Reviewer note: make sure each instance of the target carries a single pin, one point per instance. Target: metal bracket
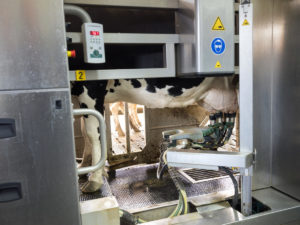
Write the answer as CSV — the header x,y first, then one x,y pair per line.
x,y
191,158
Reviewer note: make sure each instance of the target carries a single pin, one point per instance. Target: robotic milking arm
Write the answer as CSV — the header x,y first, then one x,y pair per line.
x,y
192,148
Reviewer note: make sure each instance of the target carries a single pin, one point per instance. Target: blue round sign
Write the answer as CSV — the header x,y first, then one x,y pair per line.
x,y
218,46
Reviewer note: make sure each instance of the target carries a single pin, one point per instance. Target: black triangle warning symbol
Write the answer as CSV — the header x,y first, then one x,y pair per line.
x,y
218,25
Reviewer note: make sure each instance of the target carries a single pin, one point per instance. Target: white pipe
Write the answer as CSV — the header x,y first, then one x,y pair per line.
x,y
79,12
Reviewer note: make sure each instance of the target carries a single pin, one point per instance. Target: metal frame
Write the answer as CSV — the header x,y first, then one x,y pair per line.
x,y
163,4
99,117
168,40
246,102
245,158
167,4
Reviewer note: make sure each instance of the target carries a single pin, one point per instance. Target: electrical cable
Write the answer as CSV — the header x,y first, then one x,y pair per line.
x,y
128,218
181,208
235,184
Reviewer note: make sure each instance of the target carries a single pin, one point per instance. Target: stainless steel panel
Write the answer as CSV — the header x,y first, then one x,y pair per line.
x,y
195,20
284,210
246,102
32,44
214,217
286,97
41,158
262,75
281,217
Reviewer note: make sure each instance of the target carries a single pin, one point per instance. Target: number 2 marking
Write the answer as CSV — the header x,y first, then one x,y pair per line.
x,y
80,75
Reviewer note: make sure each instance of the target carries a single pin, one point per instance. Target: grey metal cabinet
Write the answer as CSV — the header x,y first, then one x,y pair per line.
x,y
38,182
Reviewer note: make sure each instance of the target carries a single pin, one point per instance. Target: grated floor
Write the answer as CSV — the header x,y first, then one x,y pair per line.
x,y
137,187
199,175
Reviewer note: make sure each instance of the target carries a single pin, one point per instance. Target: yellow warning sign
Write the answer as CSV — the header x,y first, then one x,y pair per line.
x,y
218,25
218,65
246,23
80,75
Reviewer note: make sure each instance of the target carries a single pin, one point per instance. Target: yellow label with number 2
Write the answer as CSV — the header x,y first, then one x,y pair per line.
x,y
80,75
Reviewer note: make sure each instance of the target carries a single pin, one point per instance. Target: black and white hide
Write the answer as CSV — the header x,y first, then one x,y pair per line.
x,y
215,94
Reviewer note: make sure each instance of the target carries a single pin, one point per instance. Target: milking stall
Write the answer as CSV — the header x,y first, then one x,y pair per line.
x,y
123,112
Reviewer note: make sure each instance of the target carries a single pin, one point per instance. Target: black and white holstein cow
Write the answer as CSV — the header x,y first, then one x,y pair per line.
x,y
215,94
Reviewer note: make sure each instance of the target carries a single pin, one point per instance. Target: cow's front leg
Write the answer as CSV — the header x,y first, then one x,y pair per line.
x,y
87,152
95,179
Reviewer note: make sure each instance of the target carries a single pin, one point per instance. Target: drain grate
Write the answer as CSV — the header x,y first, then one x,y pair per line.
x,y
199,175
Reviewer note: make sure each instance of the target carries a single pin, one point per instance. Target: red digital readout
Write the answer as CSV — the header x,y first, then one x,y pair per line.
x,y
95,33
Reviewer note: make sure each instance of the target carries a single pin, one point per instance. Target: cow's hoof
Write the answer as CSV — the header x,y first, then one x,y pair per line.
x,y
91,186
112,174
137,130
121,134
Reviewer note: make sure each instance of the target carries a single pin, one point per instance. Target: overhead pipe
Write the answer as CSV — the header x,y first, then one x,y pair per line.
x,y
79,12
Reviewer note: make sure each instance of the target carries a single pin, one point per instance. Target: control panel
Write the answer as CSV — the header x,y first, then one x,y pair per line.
x,y
93,43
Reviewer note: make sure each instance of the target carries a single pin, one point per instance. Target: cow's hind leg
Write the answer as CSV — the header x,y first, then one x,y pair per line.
x,y
134,113
133,117
115,113
95,180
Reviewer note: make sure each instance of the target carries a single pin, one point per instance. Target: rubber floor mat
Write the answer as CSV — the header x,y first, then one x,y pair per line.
x,y
137,187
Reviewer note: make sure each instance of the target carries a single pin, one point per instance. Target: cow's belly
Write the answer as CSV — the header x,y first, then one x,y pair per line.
x,y
214,94
160,99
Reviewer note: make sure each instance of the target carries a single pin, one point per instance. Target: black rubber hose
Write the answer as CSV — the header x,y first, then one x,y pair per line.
x,y
161,172
235,184
127,218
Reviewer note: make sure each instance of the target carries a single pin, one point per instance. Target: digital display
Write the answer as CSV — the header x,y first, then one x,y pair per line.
x,y
95,33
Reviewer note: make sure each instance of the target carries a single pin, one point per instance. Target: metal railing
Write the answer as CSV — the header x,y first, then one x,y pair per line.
x,y
103,144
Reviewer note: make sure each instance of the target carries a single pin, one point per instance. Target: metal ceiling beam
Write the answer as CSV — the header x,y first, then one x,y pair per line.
x,y
167,4
164,4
